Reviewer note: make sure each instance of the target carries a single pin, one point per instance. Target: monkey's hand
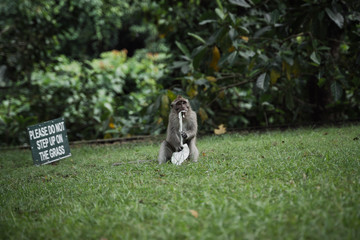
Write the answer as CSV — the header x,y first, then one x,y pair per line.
x,y
184,135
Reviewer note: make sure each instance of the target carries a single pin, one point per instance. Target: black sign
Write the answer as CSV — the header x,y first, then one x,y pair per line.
x,y
48,141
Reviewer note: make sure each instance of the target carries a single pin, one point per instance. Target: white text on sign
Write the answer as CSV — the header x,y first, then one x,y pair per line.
x,y
46,131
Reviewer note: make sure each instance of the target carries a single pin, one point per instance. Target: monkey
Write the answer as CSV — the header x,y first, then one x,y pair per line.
x,y
172,142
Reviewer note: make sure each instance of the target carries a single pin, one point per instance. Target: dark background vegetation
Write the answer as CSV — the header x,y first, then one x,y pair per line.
x,y
111,67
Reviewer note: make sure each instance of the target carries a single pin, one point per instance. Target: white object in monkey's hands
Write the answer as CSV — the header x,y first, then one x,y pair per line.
x,y
179,157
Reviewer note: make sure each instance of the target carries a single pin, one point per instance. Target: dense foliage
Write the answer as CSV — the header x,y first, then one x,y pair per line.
x,y
103,97
54,63
241,62
276,62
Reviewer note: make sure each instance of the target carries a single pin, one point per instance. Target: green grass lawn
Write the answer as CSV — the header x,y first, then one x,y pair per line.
x,y
295,184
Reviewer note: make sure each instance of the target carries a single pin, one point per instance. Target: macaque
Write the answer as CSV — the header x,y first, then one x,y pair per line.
x,y
172,142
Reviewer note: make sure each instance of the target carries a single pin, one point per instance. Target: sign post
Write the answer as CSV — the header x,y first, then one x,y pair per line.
x,y
49,141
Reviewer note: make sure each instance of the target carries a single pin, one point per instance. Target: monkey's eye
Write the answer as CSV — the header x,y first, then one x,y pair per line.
x,y
181,103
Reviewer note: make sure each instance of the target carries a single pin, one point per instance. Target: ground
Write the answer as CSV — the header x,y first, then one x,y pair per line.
x,y
294,184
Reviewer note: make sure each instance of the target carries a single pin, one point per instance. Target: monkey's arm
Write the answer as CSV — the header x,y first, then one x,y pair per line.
x,y
191,128
173,136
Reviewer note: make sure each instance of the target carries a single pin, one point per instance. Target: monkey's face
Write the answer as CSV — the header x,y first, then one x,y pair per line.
x,y
181,105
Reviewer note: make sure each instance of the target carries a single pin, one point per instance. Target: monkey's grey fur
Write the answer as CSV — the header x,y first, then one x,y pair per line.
x,y
172,142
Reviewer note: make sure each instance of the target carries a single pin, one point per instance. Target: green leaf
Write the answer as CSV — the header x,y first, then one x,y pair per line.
x,y
108,107
288,60
344,47
241,3
198,55
233,18
202,81
183,48
179,64
261,82
336,17
247,54
261,31
321,82
216,36
207,21
223,59
197,37
233,34
220,4
336,90
254,72
315,58
220,13
186,58
244,30
185,69
232,57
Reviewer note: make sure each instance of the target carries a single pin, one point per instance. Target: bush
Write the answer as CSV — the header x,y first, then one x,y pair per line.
x,y
264,63
99,98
